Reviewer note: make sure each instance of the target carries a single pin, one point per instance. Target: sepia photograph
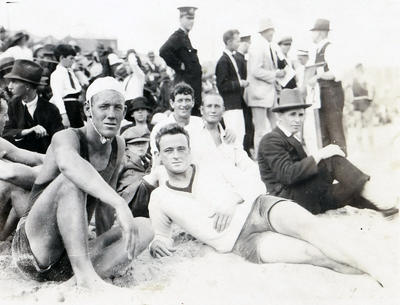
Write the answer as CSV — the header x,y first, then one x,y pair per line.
x,y
187,152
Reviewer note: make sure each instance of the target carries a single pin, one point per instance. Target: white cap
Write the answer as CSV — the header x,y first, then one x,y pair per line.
x,y
103,83
114,59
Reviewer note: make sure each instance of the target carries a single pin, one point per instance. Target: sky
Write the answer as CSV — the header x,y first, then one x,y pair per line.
x,y
364,30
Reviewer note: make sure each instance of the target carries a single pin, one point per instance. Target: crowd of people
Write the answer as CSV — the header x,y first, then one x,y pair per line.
x,y
141,145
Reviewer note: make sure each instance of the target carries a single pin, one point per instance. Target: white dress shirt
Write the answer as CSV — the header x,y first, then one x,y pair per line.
x,y
133,84
31,106
230,55
61,86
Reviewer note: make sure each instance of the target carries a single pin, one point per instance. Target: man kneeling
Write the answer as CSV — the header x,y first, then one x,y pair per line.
x,y
243,220
78,176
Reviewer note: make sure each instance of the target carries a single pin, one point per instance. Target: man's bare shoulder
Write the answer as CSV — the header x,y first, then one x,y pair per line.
x,y
65,138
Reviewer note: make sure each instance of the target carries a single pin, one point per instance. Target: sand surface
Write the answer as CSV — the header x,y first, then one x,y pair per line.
x,y
198,275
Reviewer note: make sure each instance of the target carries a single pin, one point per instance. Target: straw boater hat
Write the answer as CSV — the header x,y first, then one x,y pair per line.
x,y
6,63
321,25
265,24
290,99
27,71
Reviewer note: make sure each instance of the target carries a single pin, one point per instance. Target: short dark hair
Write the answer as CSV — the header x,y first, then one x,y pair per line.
x,y
228,35
171,129
182,88
64,50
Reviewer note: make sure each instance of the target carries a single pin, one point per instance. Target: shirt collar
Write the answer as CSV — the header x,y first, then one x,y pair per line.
x,y
322,43
229,53
31,103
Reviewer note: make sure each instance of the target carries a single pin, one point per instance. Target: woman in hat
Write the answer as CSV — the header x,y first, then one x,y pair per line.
x,y
138,113
18,47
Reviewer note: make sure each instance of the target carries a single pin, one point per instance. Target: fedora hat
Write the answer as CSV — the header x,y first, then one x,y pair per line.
x,y
265,24
27,71
290,99
321,25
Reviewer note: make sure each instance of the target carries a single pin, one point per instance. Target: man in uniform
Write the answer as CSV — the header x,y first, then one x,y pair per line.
x,y
179,54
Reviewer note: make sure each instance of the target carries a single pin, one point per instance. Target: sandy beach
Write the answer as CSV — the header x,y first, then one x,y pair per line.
x,y
197,275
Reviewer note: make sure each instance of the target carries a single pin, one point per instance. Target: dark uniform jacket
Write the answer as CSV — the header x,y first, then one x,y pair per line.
x,y
242,64
46,115
228,83
177,50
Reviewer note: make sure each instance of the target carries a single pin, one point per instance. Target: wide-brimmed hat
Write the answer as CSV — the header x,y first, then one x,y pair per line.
x,y
6,63
265,24
17,37
135,134
27,71
321,25
290,99
135,104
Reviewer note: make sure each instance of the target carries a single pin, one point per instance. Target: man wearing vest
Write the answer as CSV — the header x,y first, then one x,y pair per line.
x,y
332,95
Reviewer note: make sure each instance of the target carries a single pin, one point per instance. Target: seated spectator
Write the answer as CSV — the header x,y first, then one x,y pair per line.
x,y
18,170
242,220
289,172
32,120
6,65
137,163
138,114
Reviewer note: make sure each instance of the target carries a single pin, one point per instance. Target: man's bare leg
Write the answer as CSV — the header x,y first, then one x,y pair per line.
x,y
332,239
278,248
109,248
58,221
13,204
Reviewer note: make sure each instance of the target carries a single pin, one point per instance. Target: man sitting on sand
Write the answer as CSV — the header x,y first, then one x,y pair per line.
x,y
289,171
18,171
242,220
79,171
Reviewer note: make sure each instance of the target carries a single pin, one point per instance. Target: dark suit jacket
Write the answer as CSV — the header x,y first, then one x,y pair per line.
x,y
242,64
288,172
228,84
46,115
177,50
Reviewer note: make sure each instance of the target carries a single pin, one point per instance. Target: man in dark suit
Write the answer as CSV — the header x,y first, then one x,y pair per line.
x,y
179,54
32,120
288,171
231,86
243,49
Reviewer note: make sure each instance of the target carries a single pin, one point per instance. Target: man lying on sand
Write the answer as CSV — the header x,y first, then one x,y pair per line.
x,y
242,220
18,171
79,171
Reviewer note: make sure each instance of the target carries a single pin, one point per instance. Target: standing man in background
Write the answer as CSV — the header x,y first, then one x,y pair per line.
x,y
179,54
66,87
262,75
231,86
332,95
240,57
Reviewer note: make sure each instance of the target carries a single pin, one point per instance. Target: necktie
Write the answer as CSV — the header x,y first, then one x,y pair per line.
x,y
71,80
272,56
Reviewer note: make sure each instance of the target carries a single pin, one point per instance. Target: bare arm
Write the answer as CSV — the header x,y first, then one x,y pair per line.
x,y
15,154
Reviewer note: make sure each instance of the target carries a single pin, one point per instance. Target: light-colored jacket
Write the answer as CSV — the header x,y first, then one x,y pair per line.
x,y
261,74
